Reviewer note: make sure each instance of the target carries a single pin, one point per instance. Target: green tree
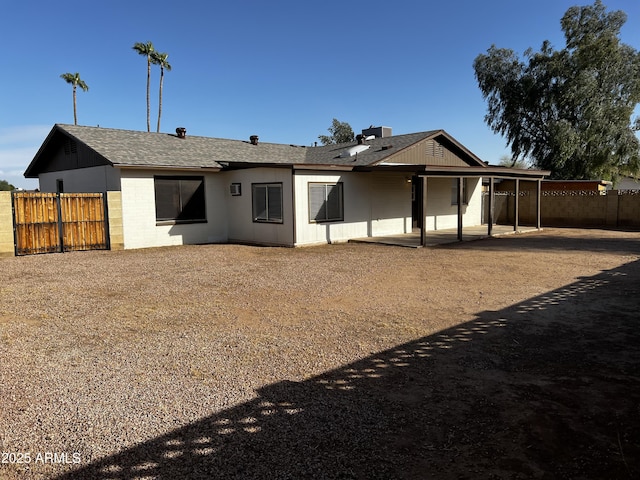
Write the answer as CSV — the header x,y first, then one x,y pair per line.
x,y
507,161
147,50
160,59
6,186
569,110
75,80
340,132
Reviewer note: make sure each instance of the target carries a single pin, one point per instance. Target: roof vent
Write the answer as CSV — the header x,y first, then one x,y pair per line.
x,y
181,132
354,151
254,139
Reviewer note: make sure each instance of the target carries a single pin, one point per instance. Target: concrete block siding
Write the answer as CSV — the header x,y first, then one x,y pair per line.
x,y
7,247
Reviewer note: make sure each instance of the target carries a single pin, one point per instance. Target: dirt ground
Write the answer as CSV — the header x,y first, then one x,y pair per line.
x,y
507,358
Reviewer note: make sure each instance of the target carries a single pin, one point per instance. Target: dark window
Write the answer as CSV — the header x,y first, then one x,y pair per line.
x,y
325,202
454,191
180,199
267,202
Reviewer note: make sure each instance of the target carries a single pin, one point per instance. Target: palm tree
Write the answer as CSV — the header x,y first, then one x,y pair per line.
x,y
161,59
75,80
147,50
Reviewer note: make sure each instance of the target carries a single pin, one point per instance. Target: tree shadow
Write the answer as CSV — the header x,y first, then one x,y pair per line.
x,y
547,388
598,240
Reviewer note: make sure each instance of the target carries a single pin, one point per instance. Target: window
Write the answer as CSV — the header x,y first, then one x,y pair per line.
x,y
325,202
179,199
454,192
267,202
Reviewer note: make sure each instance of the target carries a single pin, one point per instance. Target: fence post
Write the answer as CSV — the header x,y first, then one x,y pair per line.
x,y
7,242
114,209
60,224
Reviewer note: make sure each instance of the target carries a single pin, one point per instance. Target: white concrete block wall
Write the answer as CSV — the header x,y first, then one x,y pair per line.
x,y
374,204
242,228
442,214
390,204
139,216
356,202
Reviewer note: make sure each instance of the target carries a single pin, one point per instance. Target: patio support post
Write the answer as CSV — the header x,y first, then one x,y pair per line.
x,y
491,203
538,204
517,205
423,212
460,191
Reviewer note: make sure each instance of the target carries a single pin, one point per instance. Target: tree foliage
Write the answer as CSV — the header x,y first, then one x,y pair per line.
x,y
6,186
507,161
569,110
339,132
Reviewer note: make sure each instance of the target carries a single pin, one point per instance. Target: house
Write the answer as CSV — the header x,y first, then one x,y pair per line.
x,y
182,189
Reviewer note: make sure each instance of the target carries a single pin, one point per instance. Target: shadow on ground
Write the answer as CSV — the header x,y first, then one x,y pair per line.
x,y
559,239
548,388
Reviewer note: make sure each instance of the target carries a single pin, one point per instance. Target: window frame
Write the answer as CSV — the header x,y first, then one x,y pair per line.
x,y
454,191
184,197
269,218
327,193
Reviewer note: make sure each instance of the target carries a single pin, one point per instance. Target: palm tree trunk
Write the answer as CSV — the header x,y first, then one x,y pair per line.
x,y
75,112
148,99
160,97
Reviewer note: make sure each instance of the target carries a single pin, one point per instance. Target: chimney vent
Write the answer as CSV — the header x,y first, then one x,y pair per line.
x,y
254,139
181,132
360,139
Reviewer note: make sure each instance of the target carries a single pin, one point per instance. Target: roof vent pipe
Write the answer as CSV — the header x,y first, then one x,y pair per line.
x,y
181,132
254,139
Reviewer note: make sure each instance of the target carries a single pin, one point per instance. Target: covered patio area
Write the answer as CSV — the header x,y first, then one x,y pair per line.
x,y
441,237
425,234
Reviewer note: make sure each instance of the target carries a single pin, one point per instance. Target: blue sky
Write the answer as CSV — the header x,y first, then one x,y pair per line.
x,y
281,69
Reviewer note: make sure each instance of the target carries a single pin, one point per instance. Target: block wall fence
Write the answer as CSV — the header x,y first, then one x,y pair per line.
x,y
615,209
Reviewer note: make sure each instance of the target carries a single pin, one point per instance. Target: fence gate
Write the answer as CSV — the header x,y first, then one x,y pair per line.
x,y
51,222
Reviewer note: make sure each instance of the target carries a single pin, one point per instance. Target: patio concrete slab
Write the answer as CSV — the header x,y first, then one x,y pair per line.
x,y
445,236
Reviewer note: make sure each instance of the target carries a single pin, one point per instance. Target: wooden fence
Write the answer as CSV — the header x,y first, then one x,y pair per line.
x,y
50,222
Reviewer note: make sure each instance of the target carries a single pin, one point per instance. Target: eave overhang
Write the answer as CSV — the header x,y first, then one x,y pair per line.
x,y
167,167
439,171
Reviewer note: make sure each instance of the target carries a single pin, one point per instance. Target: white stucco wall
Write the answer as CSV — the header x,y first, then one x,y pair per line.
x,y
374,204
241,227
139,215
442,214
83,180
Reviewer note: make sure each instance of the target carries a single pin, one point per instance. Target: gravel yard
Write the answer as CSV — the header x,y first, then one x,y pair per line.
x,y
511,357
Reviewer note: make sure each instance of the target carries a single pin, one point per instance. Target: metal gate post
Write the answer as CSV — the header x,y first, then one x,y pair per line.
x,y
13,218
60,224
107,236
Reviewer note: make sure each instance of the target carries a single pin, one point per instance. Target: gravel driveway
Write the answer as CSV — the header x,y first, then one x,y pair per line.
x,y
512,357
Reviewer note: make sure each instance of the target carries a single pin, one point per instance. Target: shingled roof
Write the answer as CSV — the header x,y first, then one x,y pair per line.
x,y
127,148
